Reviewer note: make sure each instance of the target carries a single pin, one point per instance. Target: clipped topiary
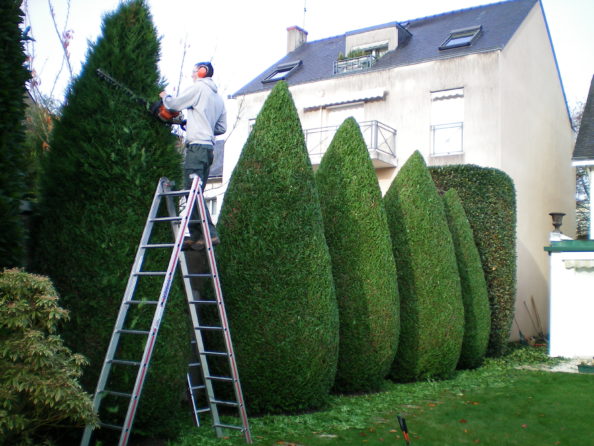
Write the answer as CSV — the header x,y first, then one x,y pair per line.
x,y
362,262
39,388
275,268
475,297
13,76
431,311
106,157
489,200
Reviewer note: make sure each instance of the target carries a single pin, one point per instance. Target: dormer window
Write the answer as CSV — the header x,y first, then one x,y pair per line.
x,y
283,71
461,37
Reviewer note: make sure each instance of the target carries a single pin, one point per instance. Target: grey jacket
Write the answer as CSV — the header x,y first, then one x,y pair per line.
x,y
206,114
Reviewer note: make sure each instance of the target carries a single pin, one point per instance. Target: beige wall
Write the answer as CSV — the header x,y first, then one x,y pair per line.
x,y
515,119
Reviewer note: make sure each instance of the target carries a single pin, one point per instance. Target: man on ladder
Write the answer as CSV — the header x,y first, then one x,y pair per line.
x,y
206,118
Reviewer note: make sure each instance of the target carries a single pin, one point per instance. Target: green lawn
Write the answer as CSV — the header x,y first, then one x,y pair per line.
x,y
494,405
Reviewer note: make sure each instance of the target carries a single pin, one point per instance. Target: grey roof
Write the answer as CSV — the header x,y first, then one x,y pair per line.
x,y
584,145
499,22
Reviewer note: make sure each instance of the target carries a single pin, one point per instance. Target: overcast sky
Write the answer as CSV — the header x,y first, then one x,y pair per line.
x,y
243,38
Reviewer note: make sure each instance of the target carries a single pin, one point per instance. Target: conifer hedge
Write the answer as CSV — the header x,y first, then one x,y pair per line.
x,y
489,201
475,297
362,262
13,75
106,157
275,267
431,311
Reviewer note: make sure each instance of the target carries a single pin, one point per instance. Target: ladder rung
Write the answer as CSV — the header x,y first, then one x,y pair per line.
x,y
203,302
157,219
194,364
174,193
158,245
200,387
124,362
150,273
138,332
209,353
208,327
139,302
205,409
189,276
229,426
111,426
225,403
219,378
122,394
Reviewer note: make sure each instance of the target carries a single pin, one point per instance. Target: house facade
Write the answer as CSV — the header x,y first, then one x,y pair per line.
x,y
476,86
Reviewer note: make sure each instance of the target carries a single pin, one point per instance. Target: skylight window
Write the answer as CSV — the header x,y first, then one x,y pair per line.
x,y
461,37
281,72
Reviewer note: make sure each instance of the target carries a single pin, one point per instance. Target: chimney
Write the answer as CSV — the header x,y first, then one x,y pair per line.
x,y
295,38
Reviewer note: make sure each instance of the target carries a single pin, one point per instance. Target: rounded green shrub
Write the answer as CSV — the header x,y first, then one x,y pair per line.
x,y
431,311
475,297
489,200
275,267
362,262
39,388
106,157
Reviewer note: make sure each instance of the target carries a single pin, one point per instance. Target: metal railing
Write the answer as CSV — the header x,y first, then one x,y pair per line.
x,y
354,64
379,138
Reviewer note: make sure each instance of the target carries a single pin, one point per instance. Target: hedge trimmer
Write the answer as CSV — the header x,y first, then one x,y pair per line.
x,y
156,109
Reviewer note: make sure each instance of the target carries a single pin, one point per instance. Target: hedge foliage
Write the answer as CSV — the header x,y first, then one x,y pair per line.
x,y
275,267
13,76
39,385
431,311
475,297
489,201
106,157
362,262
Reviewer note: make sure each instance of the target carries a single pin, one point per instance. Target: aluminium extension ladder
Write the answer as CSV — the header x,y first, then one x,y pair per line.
x,y
179,224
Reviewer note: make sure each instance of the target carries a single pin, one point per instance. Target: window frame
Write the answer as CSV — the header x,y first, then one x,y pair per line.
x,y
282,72
468,34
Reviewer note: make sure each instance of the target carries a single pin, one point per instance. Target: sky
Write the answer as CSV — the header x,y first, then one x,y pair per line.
x,y
243,38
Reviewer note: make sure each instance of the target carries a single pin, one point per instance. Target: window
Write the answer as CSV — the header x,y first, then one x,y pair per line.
x,y
447,122
461,37
282,72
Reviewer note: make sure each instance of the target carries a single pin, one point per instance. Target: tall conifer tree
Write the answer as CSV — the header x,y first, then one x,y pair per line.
x,y
362,261
431,311
275,267
106,157
13,75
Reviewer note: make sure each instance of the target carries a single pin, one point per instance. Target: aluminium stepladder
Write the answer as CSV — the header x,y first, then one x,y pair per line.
x,y
179,223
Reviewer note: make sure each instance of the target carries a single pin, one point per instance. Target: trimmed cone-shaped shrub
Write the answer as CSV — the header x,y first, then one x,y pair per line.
x,y
431,311
13,76
475,297
107,155
489,200
362,262
275,267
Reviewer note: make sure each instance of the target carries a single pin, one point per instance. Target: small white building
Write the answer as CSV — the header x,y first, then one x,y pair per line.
x,y
476,86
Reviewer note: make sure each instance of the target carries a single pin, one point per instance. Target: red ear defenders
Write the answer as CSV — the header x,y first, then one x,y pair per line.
x,y
202,71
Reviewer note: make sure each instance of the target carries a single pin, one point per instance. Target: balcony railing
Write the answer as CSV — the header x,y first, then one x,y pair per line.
x,y
379,138
354,64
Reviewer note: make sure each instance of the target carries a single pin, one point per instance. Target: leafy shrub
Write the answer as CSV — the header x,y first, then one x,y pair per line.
x,y
431,311
489,201
13,76
39,385
106,157
475,297
275,267
362,261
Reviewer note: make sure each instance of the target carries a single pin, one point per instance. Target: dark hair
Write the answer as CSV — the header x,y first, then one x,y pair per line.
x,y
208,66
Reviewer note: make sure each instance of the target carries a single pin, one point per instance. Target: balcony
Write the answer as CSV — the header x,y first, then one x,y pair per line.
x,y
354,64
379,138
